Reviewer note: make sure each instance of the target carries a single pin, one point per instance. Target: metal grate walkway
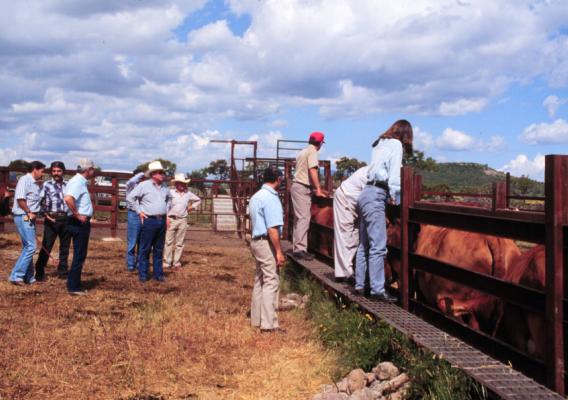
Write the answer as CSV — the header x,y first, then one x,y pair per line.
x,y
499,379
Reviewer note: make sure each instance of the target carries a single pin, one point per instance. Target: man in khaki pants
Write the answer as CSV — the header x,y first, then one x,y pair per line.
x,y
306,179
182,202
267,219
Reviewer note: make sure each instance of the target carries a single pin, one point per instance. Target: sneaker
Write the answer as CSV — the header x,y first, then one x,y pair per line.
x,y
303,255
384,297
17,283
359,292
78,293
33,280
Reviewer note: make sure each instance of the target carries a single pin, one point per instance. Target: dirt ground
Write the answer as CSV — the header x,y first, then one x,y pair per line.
x,y
187,338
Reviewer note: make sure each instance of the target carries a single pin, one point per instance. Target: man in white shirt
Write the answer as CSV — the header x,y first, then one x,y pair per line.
x,y
182,202
345,222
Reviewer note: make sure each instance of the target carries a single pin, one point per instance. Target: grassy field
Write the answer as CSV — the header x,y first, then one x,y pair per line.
x,y
188,338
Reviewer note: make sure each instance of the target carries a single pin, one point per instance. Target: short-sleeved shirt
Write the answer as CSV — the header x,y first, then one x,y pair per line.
x,y
27,189
307,159
78,189
265,211
52,195
150,198
180,201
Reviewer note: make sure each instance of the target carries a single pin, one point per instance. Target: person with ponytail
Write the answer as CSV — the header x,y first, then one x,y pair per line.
x,y
383,186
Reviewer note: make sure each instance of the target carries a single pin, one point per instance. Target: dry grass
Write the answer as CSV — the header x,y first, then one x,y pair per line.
x,y
186,339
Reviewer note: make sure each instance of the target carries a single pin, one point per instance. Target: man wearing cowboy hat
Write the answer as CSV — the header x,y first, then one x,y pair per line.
x,y
151,200
182,202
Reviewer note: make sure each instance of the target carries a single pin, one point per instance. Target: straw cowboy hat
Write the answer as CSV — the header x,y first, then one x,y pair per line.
x,y
153,167
181,178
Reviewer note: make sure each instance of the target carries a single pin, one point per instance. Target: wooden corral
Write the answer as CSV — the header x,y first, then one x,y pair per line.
x,y
547,227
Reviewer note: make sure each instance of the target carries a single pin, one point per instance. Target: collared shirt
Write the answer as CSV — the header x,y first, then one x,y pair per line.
x,y
307,159
78,189
354,185
27,189
265,211
150,198
385,165
180,201
52,197
129,187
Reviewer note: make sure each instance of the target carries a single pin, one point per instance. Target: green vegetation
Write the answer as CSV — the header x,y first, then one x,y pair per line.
x,y
362,342
345,166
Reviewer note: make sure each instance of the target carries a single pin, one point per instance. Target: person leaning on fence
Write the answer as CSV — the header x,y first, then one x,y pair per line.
x,y
383,183
182,202
346,222
25,209
78,201
151,200
267,218
133,224
306,179
55,222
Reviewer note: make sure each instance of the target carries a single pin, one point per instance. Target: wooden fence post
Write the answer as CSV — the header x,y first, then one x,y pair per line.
x,y
508,189
417,187
556,192
114,203
406,201
499,196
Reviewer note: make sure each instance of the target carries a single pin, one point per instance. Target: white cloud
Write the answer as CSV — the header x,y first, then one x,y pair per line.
x,y
545,133
455,140
522,165
422,139
552,103
462,106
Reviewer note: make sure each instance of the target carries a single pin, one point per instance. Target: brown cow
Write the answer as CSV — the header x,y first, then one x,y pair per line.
x,y
522,328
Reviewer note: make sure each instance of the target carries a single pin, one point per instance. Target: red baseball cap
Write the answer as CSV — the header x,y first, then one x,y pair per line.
x,y
317,137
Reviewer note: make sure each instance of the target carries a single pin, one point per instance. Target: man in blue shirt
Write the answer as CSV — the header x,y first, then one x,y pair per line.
x,y
266,219
25,210
133,223
151,200
55,222
78,201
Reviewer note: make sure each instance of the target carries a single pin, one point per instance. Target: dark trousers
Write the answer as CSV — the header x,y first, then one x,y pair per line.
x,y
51,231
80,234
152,238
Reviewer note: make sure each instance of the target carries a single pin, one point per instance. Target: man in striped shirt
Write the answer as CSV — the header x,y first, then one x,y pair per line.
x,y
55,223
25,210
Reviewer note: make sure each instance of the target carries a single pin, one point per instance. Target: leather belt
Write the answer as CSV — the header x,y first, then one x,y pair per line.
x,y
158,217
175,217
380,184
261,237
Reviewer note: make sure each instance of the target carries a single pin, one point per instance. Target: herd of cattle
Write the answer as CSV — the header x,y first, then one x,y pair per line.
x,y
490,255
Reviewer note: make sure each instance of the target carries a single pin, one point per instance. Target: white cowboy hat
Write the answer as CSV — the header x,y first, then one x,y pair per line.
x,y
181,178
153,167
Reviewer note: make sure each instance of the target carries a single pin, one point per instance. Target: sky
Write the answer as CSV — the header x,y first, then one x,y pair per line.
x,y
125,82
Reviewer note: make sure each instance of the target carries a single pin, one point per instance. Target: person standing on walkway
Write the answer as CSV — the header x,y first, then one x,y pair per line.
x,y
78,201
346,222
25,210
133,224
151,200
55,222
383,183
182,202
306,180
267,218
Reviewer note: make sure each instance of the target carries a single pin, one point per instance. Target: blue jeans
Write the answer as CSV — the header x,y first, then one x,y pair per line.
x,y
132,239
23,269
372,248
80,234
152,238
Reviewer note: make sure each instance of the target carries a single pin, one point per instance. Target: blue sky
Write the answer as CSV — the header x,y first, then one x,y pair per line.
x,y
126,82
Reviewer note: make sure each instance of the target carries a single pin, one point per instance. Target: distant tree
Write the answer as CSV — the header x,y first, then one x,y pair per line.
x,y
19,164
219,168
419,161
525,186
169,166
198,174
345,166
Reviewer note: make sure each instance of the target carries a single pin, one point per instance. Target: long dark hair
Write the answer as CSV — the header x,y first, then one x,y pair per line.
x,y
400,130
